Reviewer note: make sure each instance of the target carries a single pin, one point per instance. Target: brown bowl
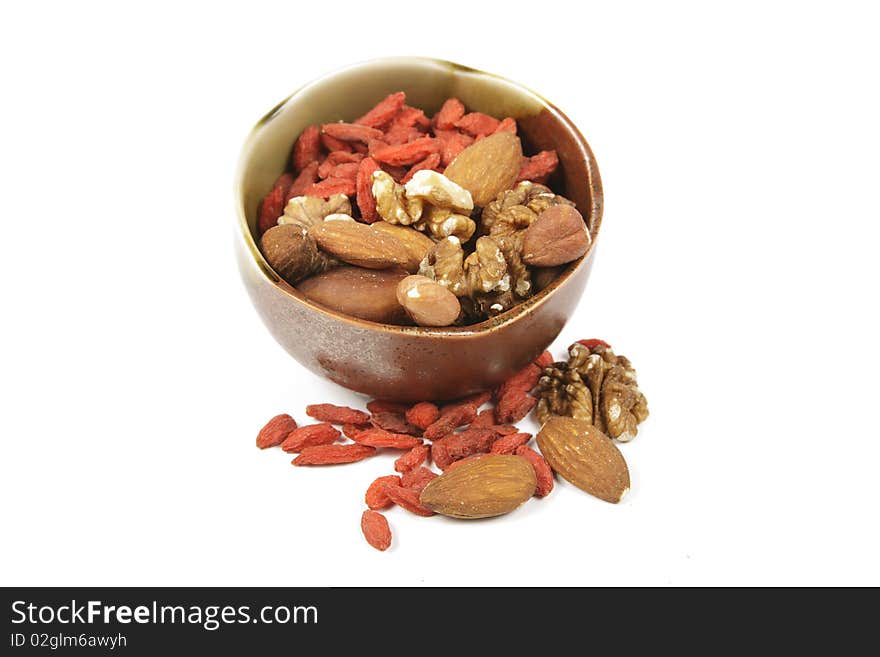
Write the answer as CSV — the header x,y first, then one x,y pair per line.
x,y
399,362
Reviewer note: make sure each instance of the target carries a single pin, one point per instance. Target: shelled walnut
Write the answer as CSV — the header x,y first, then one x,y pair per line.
x,y
595,385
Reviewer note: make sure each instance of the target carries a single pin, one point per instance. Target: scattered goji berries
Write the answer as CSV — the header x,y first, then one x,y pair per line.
x,y
508,444
337,414
309,436
376,530
333,454
275,431
375,497
412,459
380,438
423,414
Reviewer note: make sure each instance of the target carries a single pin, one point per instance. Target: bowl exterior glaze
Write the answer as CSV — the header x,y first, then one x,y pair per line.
x,y
411,363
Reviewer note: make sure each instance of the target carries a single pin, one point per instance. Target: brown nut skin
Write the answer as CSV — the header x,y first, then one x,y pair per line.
x,y
358,244
427,302
559,235
290,252
416,243
487,167
363,293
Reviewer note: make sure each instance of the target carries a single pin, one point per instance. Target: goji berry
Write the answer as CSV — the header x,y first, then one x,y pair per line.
x,y
456,446
412,459
395,423
275,431
386,406
351,132
337,414
478,124
333,454
538,167
411,117
451,111
376,530
375,497
332,162
309,436
418,478
431,162
504,429
330,186
507,125
344,171
514,406
306,149
449,420
509,444
351,430
334,145
423,414
484,419
407,154
366,202
380,438
452,143
455,464
306,177
395,172
408,499
271,208
592,343
385,110
543,472
401,134
544,360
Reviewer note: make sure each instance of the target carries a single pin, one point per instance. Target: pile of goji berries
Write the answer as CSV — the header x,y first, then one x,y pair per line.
x,y
340,158
456,431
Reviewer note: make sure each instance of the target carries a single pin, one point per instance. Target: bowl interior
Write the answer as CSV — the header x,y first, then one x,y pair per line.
x,y
348,93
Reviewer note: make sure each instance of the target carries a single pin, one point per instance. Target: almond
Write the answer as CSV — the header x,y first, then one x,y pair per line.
x,y
364,293
559,235
358,244
427,302
585,457
417,244
491,485
487,167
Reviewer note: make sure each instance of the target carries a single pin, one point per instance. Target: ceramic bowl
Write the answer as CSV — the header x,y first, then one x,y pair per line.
x,y
401,362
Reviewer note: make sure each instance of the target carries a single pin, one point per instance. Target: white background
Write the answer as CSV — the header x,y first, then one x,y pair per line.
x,y
736,267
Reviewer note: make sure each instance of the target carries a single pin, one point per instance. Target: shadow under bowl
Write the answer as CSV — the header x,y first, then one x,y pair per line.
x,y
401,362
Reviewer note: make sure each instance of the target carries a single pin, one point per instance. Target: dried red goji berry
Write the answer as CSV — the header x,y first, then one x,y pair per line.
x,y
375,144
538,167
452,143
385,110
309,436
386,406
333,454
332,161
375,497
358,147
418,478
306,177
423,414
592,343
456,446
275,431
364,184
344,171
408,499
380,438
351,430
478,124
509,444
431,162
334,145
514,406
504,429
450,419
376,530
395,172
411,117
451,111
401,134
330,186
271,208
543,472
484,419
407,154
507,125
522,381
544,360
395,423
351,132
337,414
412,459
307,148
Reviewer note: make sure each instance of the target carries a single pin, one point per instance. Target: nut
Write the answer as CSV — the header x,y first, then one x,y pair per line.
x,y
293,254
307,211
417,244
427,302
556,237
364,293
585,457
491,485
443,222
358,244
391,201
439,191
487,167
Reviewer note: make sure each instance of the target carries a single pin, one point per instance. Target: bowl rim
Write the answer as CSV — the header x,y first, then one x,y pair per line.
x,y
520,310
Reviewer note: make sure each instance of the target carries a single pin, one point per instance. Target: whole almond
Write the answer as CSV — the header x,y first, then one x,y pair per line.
x,y
290,252
491,485
364,293
427,302
585,457
358,244
557,236
417,243
487,167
